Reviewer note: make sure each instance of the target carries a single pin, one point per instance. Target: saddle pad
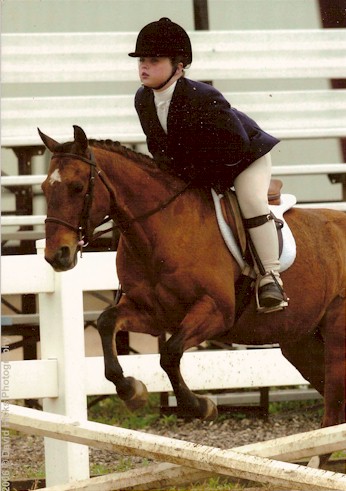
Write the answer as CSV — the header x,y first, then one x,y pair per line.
x,y
288,254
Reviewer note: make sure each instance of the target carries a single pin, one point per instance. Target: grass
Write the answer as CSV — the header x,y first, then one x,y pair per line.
x,y
113,411
124,464
288,406
214,483
34,473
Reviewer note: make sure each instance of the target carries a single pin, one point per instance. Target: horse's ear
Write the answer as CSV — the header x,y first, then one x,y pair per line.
x,y
51,144
80,137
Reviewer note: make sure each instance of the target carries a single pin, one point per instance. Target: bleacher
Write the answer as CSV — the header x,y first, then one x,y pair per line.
x,y
68,58
94,58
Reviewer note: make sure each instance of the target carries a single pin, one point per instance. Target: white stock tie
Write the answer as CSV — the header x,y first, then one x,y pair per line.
x,y
162,113
162,102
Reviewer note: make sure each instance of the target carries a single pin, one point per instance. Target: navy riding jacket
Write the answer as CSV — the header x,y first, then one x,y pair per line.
x,y
207,140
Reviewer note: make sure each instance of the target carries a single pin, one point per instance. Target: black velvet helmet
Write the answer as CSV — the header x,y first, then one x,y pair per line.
x,y
163,38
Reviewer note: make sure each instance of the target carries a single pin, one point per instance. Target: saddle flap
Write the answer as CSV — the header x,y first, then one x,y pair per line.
x,y
232,215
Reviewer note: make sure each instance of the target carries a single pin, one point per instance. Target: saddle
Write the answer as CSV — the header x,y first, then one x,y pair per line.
x,y
233,217
234,232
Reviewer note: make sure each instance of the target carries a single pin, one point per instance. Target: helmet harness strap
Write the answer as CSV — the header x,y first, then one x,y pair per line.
x,y
169,78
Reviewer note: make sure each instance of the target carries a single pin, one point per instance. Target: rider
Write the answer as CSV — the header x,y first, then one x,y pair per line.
x,y
194,133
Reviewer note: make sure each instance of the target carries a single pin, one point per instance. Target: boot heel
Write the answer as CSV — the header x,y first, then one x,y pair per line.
x,y
271,296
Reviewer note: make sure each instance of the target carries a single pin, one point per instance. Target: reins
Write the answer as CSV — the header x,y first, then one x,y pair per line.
x,y
82,229
149,213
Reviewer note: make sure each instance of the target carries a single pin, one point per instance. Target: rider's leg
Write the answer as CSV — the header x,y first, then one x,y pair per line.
x,y
251,187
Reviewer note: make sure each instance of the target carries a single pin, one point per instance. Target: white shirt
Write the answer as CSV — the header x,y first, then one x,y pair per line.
x,y
162,101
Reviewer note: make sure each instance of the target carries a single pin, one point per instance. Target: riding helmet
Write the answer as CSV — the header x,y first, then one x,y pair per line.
x,y
163,38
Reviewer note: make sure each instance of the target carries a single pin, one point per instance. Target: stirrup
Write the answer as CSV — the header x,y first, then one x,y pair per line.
x,y
267,310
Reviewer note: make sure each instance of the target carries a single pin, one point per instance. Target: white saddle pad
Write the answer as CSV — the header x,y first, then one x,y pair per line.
x,y
288,254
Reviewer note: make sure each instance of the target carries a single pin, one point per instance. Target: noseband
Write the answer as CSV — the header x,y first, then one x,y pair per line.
x,y
83,228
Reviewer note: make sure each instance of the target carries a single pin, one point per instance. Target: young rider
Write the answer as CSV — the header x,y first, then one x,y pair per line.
x,y
194,133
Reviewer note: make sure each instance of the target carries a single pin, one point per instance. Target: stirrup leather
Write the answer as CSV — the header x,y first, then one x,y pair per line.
x,y
267,310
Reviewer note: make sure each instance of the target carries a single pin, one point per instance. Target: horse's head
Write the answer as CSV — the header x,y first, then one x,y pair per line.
x,y
76,204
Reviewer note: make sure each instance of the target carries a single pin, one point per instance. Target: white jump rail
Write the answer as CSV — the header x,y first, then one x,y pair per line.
x,y
249,462
64,377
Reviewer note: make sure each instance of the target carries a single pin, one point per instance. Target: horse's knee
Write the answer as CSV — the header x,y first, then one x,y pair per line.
x,y
133,392
169,360
106,321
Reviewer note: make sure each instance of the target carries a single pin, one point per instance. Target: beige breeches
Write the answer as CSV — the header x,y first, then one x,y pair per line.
x,y
251,187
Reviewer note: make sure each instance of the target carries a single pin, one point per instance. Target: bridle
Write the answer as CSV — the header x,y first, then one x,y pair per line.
x,y
83,228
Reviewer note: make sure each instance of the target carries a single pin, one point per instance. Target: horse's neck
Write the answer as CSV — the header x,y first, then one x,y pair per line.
x,y
151,206
137,188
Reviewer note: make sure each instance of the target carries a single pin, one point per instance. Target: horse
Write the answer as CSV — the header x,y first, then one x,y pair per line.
x,y
178,277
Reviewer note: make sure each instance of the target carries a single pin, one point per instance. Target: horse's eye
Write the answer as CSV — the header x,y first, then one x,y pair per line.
x,y
76,187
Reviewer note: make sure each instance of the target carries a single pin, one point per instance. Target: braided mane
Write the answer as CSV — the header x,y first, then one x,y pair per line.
x,y
144,161
117,147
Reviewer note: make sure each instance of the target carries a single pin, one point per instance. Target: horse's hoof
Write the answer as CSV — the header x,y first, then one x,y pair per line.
x,y
209,410
201,408
139,395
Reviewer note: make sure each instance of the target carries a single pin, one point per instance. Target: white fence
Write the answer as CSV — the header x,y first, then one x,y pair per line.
x,y
284,170
64,376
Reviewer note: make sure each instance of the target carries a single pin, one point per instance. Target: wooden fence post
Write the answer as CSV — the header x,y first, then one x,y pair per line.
x,y
62,338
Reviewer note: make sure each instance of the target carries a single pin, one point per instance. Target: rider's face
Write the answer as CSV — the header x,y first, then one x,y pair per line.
x,y
153,71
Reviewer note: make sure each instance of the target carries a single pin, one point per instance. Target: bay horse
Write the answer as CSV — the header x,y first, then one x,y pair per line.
x,y
179,277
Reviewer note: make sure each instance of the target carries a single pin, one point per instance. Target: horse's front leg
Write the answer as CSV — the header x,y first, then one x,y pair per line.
x,y
133,392
203,321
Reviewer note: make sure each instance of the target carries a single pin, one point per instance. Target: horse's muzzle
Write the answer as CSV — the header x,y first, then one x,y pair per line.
x,y
63,259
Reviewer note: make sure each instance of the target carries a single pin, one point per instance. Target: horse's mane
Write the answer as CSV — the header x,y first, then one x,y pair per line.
x,y
117,147
145,161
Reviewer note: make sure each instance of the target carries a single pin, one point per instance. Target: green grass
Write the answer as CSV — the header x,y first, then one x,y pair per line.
x,y
113,411
124,464
287,406
212,484
31,473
